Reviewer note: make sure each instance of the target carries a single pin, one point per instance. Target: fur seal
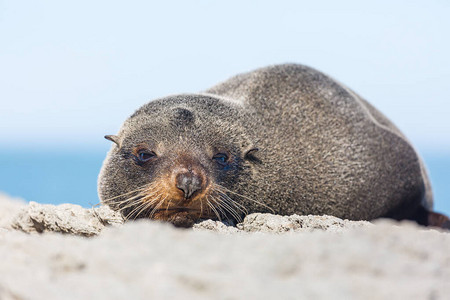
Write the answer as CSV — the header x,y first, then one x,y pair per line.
x,y
285,139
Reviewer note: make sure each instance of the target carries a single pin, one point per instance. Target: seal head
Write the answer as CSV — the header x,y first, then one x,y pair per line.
x,y
175,161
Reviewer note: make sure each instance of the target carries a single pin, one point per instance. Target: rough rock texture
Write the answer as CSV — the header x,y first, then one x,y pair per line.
x,y
70,218
151,260
64,218
280,224
9,207
145,260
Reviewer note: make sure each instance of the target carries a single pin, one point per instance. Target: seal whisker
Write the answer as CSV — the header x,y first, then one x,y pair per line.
x,y
201,207
149,197
140,197
219,207
225,190
156,207
134,210
124,194
235,213
227,208
121,206
236,204
234,209
168,204
150,205
127,200
142,206
213,209
131,202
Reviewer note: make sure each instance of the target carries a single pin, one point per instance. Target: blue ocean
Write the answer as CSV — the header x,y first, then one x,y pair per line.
x,y
69,176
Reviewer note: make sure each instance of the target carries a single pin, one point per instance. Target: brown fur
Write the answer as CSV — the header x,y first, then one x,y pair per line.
x,y
296,142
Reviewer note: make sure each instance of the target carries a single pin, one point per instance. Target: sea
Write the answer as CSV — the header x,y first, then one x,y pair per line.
x,y
55,177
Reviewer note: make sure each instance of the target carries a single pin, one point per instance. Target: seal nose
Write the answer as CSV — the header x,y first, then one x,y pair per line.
x,y
189,183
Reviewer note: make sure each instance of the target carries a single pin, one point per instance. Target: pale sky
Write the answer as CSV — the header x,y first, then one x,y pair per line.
x,y
71,72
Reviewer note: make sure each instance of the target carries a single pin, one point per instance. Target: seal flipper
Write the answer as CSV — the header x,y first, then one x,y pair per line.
x,y
431,218
438,220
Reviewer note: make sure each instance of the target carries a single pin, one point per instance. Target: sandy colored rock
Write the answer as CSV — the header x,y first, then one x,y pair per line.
x,y
9,207
295,223
270,223
64,218
74,219
150,260
216,226
264,257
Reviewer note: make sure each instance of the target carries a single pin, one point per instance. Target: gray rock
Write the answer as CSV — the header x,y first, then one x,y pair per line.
x,y
216,226
320,257
295,223
9,207
64,218
270,223
151,260
73,219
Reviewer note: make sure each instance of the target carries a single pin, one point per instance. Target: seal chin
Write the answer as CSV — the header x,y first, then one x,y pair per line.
x,y
180,216
182,219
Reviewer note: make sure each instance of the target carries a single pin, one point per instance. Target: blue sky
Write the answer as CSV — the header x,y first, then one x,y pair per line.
x,y
71,72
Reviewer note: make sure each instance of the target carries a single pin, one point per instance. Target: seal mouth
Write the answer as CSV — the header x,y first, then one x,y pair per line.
x,y
177,209
179,216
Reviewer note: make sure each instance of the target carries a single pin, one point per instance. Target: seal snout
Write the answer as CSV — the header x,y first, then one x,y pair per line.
x,y
189,182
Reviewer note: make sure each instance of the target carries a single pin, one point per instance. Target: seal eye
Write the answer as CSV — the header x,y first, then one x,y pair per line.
x,y
221,158
145,155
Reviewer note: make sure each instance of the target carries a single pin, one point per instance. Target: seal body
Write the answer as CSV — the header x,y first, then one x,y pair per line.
x,y
284,139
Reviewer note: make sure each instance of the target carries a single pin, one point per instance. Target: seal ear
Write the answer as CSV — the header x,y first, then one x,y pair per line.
x,y
113,138
250,155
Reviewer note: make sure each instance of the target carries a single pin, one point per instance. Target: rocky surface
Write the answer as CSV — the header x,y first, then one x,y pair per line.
x,y
64,218
74,219
309,257
9,207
